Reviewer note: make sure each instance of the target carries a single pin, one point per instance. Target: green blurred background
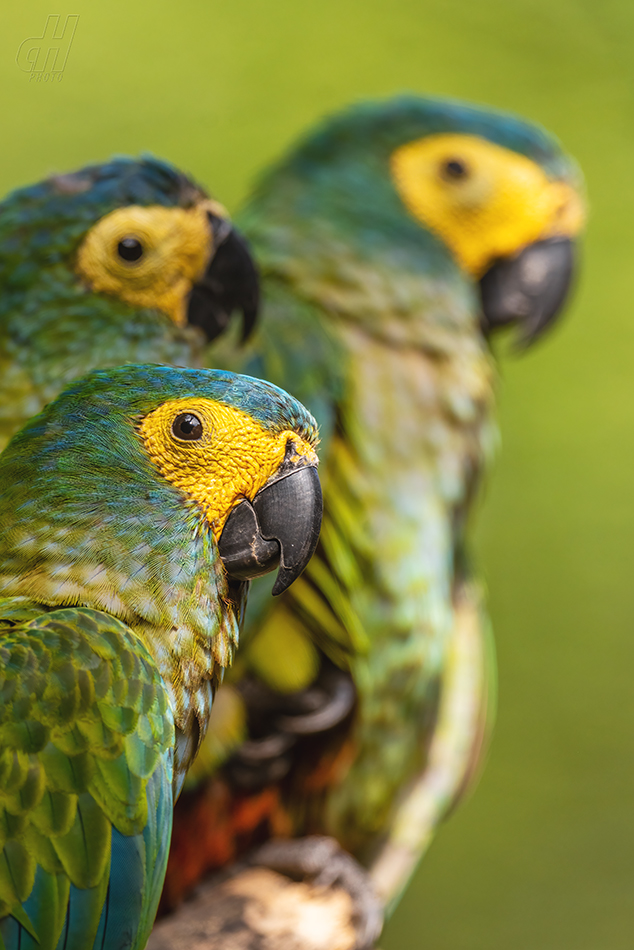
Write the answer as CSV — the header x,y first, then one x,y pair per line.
x,y
542,856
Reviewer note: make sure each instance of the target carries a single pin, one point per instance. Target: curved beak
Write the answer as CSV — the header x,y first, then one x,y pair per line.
x,y
231,282
529,289
279,527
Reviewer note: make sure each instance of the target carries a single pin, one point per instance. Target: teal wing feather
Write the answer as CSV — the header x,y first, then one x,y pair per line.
x,y
86,746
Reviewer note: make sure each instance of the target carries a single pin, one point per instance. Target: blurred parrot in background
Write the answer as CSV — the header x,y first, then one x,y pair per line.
x,y
119,505
393,241
128,261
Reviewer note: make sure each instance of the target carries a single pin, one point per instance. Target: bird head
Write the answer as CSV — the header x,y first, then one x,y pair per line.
x,y
137,231
425,184
144,490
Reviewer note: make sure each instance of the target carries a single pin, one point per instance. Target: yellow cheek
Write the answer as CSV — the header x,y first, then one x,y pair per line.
x,y
233,460
505,202
177,245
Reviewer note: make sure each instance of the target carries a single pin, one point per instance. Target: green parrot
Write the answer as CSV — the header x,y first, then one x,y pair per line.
x,y
393,240
124,262
130,520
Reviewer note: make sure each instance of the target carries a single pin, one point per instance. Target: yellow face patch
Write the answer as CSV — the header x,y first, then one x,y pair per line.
x,y
149,257
486,202
217,454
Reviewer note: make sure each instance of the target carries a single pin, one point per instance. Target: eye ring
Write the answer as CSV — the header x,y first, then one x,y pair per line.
x,y
454,169
187,427
130,249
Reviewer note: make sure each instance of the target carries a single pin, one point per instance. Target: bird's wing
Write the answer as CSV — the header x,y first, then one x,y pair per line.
x,y
465,716
86,745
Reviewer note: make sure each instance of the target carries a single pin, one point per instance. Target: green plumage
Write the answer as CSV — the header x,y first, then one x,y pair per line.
x,y
86,746
117,619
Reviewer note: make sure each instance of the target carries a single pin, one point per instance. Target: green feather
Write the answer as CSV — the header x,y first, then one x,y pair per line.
x,y
84,851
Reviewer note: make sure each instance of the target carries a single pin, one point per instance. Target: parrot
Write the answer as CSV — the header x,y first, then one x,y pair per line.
x,y
128,261
133,511
394,240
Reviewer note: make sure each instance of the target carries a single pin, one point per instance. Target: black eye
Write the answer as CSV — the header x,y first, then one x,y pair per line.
x,y
187,427
453,169
130,249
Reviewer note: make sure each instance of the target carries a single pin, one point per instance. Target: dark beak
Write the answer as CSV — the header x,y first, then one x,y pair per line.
x,y
279,527
529,289
231,282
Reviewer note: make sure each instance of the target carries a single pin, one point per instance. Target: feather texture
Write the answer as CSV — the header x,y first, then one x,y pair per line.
x,y
87,736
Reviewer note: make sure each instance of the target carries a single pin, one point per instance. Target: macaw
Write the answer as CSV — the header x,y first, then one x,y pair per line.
x,y
127,261
393,240
133,509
